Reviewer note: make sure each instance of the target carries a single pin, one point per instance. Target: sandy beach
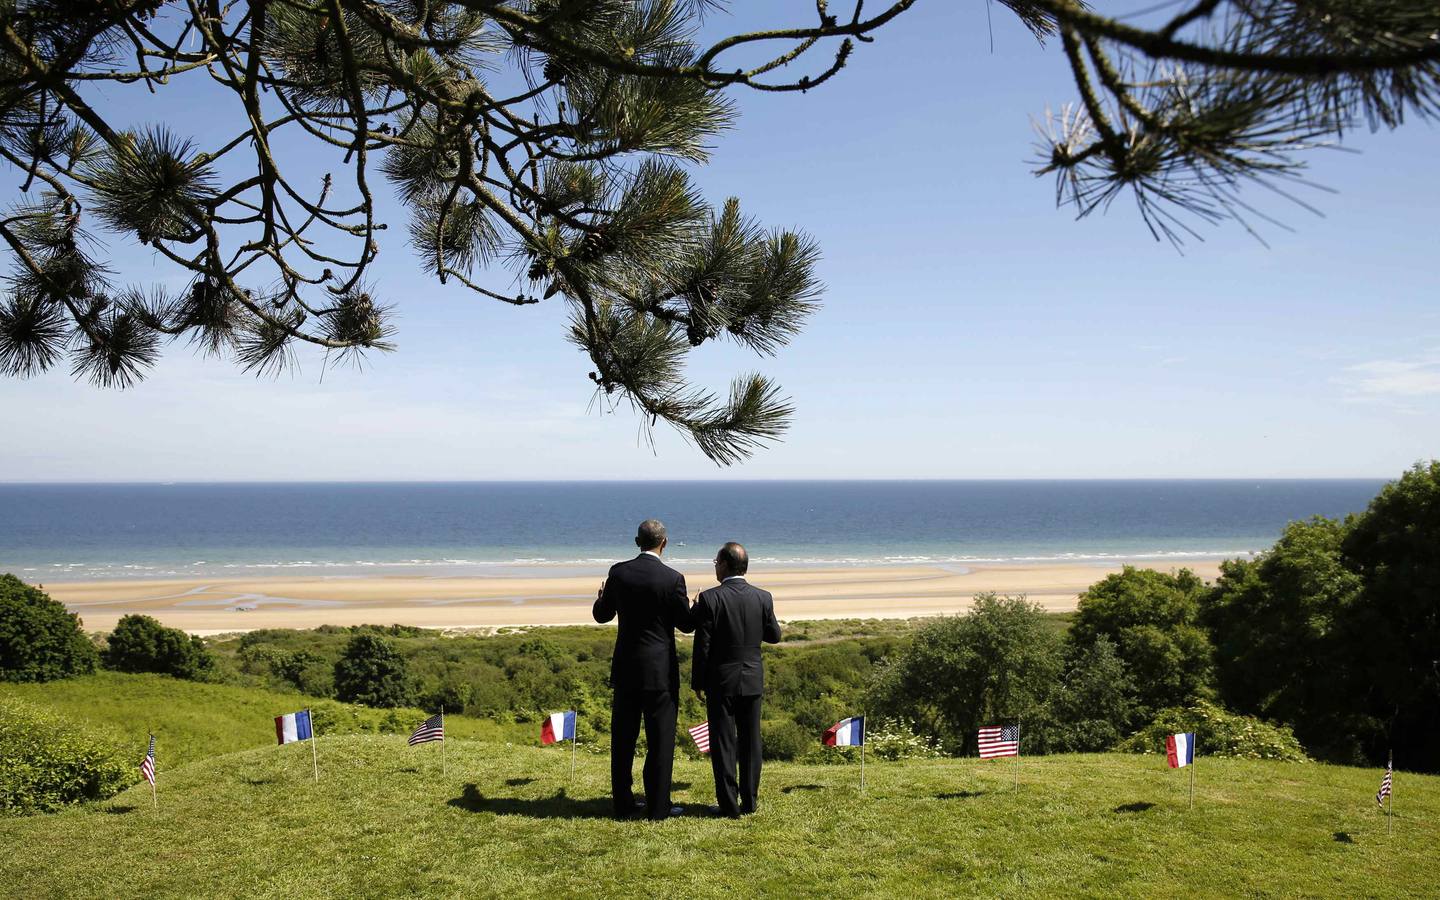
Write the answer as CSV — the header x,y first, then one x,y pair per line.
x,y
212,606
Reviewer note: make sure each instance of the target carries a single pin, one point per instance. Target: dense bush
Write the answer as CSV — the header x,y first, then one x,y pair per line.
x,y
996,664
372,673
893,739
1218,733
784,740
1091,707
39,639
142,644
47,763
1153,619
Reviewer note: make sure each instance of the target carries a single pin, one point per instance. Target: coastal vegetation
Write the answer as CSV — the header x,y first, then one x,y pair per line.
x,y
40,640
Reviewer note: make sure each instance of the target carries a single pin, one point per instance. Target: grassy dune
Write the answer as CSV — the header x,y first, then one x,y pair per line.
x,y
193,720
383,821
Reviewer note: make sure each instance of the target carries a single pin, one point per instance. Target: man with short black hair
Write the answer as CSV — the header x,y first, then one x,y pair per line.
x,y
649,599
729,676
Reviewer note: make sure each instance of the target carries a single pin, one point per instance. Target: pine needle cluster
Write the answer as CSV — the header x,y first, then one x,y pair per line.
x,y
551,142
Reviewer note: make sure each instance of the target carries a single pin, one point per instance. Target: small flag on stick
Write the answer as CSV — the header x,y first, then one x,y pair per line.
x,y
849,733
1385,792
1385,783
560,726
700,734
147,769
1180,752
297,726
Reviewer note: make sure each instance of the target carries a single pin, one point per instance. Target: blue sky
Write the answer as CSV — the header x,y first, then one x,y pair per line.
x,y
970,329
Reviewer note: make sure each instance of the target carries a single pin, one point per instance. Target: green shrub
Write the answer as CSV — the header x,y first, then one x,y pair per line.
x,y
39,639
47,763
783,739
898,740
371,672
142,644
1218,732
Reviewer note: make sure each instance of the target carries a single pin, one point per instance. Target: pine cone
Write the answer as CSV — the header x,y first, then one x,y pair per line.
x,y
538,269
594,245
555,70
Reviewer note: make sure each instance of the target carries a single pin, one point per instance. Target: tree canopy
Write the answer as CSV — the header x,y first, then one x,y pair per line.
x,y
549,139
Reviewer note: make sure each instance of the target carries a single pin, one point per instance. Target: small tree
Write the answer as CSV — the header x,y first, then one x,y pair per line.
x,y
39,639
993,666
1153,619
370,671
142,644
1092,708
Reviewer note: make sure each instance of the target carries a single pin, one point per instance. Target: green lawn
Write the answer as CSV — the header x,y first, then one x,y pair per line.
x,y
382,821
192,720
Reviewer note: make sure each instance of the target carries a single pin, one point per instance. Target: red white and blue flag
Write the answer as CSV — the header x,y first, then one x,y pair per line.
x,y
559,726
293,727
432,729
846,733
700,734
1180,749
999,740
1380,795
147,768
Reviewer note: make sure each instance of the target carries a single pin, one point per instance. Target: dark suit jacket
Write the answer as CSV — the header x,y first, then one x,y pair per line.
x,y
649,597
730,622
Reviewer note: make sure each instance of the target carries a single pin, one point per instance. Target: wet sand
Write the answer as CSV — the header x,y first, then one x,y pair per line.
x,y
212,606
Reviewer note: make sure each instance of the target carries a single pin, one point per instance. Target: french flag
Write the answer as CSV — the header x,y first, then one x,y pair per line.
x,y
559,727
293,726
1180,749
846,733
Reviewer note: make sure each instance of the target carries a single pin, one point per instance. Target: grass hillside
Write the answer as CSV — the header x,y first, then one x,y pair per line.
x,y
382,821
192,720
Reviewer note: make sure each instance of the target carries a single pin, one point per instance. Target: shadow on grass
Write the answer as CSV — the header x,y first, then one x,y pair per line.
x,y
256,782
959,795
408,770
1138,807
518,782
680,786
120,810
557,807
1343,837
801,787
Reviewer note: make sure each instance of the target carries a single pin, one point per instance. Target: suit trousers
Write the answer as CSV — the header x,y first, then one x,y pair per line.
x,y
735,738
658,710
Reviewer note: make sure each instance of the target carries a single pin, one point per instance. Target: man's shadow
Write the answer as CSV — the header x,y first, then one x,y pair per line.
x,y
557,807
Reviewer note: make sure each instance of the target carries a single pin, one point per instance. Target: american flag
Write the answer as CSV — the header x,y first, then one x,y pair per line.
x,y
147,768
999,740
432,729
701,735
1384,791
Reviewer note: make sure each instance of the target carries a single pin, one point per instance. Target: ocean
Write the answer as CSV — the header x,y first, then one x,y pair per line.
x,y
104,531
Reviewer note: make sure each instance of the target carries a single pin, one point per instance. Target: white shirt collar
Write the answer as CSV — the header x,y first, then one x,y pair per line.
x,y
732,578
651,553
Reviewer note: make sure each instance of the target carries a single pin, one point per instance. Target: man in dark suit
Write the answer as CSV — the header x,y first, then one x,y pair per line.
x,y
728,676
649,597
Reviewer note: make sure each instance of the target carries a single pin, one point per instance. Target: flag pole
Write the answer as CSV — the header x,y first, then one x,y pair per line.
x,y
154,776
1017,759
575,739
442,741
864,739
1390,806
1192,777
314,756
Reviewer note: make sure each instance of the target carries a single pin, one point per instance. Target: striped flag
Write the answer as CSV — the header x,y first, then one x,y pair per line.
x,y
999,740
147,768
1180,750
432,729
1384,784
558,726
293,727
700,734
846,733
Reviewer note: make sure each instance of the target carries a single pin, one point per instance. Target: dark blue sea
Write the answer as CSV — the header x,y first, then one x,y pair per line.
x,y
96,531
